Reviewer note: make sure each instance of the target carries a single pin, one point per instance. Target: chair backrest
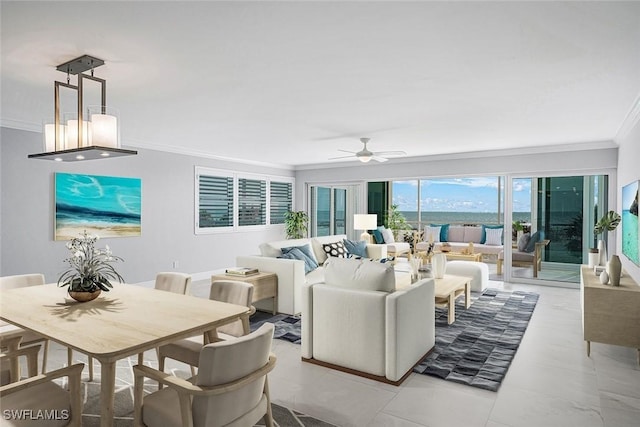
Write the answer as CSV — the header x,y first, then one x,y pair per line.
x,y
226,361
20,281
233,292
178,283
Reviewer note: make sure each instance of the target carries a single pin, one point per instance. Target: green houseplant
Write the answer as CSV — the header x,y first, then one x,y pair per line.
x,y
395,220
296,224
608,222
90,268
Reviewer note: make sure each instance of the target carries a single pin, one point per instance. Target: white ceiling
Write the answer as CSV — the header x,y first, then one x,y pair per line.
x,y
291,83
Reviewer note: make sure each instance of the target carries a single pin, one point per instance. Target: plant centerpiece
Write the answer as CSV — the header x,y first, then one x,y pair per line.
x,y
296,223
90,269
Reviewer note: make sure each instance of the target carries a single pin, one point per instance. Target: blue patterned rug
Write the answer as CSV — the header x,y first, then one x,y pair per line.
x,y
475,350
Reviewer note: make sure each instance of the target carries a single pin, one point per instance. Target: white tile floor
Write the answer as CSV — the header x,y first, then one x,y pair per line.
x,y
551,382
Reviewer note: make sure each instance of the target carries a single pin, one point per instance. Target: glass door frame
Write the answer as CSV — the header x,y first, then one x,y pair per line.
x,y
355,195
612,194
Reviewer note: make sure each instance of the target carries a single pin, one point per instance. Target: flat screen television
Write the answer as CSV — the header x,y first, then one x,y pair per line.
x,y
630,223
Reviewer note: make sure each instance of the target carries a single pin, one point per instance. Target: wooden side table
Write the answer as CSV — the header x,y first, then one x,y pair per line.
x,y
265,285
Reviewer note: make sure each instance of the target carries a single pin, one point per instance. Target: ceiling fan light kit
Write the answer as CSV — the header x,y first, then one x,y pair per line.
x,y
74,136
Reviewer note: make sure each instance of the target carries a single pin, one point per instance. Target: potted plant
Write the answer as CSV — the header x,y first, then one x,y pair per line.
x,y
518,228
296,224
396,221
608,222
90,269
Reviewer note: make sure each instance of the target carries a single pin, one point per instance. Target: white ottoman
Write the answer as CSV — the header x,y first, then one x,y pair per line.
x,y
479,271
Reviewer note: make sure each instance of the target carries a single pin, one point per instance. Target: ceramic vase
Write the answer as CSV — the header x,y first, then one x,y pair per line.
x,y
615,270
602,250
594,258
604,278
438,265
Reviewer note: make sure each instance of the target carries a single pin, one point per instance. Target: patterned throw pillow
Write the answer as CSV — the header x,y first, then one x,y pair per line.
x,y
493,236
336,249
387,235
523,242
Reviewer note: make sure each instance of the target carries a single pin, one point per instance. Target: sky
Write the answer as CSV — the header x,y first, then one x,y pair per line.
x,y
102,193
629,194
477,194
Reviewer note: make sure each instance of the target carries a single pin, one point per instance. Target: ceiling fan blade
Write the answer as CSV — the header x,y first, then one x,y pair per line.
x,y
342,157
347,151
379,159
390,153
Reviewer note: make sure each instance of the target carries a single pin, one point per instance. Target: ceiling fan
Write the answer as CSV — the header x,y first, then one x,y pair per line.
x,y
365,155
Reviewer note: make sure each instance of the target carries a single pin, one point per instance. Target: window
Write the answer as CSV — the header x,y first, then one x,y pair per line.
x,y
280,201
228,201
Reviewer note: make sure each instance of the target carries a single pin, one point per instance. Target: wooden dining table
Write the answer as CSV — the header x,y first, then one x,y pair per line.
x,y
126,321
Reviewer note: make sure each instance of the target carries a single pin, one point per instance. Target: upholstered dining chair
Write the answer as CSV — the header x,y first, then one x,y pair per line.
x,y
27,337
188,350
231,387
40,392
178,283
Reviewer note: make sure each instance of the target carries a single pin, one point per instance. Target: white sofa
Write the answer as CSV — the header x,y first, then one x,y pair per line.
x,y
355,321
459,237
291,273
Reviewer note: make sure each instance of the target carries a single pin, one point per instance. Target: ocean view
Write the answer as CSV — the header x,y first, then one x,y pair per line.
x,y
462,217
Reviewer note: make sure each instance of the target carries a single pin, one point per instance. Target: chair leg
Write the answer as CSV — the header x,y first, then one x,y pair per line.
x,y
160,368
193,371
268,417
45,355
69,356
90,368
499,266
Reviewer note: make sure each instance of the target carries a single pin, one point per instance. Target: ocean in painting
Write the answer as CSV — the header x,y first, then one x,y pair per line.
x,y
102,205
630,239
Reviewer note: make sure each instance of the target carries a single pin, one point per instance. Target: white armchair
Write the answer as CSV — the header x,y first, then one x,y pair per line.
x,y
355,322
230,389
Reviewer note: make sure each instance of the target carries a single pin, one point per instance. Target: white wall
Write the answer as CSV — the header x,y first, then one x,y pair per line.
x,y
27,213
628,171
555,160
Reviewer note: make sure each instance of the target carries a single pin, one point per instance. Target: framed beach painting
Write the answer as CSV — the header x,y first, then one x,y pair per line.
x,y
106,206
630,223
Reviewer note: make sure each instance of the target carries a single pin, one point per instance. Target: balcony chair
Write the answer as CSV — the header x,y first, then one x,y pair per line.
x,y
231,387
520,258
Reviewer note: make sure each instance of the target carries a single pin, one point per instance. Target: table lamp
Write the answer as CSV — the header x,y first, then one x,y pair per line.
x,y
365,222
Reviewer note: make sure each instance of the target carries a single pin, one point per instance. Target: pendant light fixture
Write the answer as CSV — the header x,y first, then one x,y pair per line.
x,y
90,132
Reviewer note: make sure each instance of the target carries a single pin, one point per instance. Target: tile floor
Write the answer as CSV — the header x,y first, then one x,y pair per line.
x,y
551,382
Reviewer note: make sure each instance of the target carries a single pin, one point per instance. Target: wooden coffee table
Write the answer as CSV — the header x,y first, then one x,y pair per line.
x,y
476,256
448,289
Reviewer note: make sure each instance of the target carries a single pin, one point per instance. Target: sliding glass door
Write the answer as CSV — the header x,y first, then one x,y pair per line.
x,y
557,215
332,209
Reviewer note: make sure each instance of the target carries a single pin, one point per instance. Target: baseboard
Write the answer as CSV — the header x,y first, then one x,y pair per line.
x,y
365,374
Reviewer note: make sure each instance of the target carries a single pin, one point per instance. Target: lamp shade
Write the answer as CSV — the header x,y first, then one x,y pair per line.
x,y
365,221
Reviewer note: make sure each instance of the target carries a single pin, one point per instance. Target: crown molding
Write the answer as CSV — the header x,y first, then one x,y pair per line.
x,y
630,121
20,125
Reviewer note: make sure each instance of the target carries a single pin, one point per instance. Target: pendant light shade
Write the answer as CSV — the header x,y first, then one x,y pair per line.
x,y
87,133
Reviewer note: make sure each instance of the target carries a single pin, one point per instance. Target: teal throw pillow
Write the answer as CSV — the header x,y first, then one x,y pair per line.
x,y
377,236
483,239
358,248
536,237
444,231
306,249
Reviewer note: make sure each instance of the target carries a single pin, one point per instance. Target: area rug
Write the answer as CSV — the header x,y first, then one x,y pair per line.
x,y
475,350
479,346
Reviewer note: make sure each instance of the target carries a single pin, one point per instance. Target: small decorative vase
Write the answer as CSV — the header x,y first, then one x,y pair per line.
x,y
604,278
438,265
82,296
602,250
594,257
615,270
